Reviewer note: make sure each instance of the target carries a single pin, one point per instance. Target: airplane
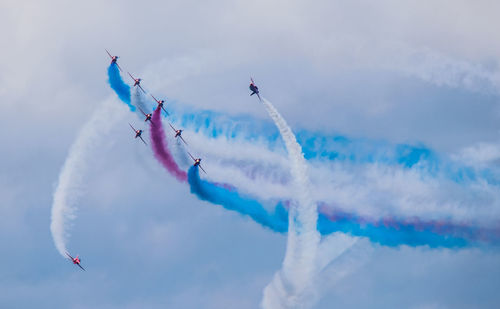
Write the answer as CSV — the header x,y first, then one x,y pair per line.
x,y
254,89
137,82
75,261
178,133
160,104
137,133
113,59
148,116
197,162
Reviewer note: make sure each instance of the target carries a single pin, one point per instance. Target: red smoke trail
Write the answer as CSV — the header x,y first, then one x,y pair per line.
x,y
160,148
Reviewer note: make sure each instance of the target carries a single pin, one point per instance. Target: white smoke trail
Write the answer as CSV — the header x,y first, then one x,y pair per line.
x,y
137,99
71,179
288,289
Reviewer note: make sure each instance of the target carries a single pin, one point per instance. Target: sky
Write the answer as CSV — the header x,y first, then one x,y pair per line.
x,y
381,73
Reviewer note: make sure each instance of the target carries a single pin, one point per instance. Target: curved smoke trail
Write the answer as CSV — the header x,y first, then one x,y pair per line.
x,y
71,179
388,231
393,232
231,199
119,86
288,286
316,145
331,148
160,148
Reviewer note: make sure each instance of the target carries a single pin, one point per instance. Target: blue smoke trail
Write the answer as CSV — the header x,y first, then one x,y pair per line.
x,y
386,232
391,235
315,145
119,86
332,148
230,199
320,146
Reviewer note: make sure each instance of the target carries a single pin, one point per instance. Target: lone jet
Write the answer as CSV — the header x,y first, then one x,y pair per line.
x,y
178,133
137,82
197,162
113,59
138,133
254,89
75,261
160,104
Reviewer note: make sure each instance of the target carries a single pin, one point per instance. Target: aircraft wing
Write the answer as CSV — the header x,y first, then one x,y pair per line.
x,y
202,169
141,88
118,67
191,156
154,98
168,114
143,140
132,128
183,140
131,76
80,266
258,95
142,111
69,256
172,127
109,54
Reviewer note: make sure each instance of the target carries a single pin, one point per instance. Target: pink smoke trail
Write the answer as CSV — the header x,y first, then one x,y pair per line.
x,y
160,148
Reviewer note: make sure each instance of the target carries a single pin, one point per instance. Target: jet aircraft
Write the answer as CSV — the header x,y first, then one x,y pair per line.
x,y
75,261
178,133
113,59
160,104
197,162
148,116
138,133
137,82
254,89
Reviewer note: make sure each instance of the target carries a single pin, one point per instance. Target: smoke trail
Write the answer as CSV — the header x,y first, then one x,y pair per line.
x,y
231,199
137,100
393,232
346,255
333,147
119,86
287,288
71,179
160,148
388,231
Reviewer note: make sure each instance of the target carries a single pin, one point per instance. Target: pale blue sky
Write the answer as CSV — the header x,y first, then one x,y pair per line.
x,y
400,72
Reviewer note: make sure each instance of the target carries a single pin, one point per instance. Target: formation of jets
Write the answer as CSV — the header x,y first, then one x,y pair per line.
x,y
138,132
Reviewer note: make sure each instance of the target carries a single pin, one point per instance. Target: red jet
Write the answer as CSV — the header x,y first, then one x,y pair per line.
x,y
113,59
148,116
137,133
75,261
197,162
177,133
137,82
254,89
160,104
